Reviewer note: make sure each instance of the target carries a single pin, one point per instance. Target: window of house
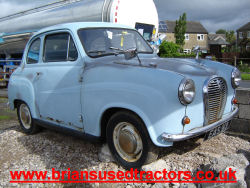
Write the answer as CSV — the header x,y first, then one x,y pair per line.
x,y
248,47
240,35
200,37
187,51
34,52
59,47
248,34
186,36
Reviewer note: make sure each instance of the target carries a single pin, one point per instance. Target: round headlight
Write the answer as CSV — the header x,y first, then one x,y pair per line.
x,y
236,78
186,91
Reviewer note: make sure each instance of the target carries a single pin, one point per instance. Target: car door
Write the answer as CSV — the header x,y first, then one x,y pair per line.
x,y
58,85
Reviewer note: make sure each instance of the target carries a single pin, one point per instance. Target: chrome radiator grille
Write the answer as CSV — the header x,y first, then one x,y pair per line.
x,y
215,96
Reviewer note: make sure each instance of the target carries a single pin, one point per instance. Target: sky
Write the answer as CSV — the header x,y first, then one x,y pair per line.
x,y
213,14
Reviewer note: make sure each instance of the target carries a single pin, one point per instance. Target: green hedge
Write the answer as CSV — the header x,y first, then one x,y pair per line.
x,y
245,76
170,49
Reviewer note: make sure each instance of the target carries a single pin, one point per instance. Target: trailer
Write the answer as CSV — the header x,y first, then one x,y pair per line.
x,y
16,29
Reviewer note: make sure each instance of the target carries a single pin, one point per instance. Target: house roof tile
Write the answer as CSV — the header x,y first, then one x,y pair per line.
x,y
245,27
192,27
217,39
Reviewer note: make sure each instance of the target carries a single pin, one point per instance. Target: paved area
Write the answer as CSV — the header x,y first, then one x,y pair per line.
x,y
245,84
3,92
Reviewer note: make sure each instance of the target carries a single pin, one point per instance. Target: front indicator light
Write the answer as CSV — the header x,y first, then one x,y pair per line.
x,y
235,101
186,120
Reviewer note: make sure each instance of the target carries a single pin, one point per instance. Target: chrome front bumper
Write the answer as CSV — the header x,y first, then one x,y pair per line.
x,y
198,131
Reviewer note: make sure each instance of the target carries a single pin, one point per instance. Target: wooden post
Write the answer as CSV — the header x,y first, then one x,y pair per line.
x,y
235,61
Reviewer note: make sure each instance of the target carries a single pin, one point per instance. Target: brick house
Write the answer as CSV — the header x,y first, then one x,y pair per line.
x,y
243,37
195,35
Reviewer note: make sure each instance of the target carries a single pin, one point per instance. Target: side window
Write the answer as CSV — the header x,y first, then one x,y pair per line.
x,y
59,47
33,53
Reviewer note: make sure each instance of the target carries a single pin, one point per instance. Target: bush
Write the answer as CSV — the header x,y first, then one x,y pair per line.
x,y
245,76
182,55
214,58
243,67
169,49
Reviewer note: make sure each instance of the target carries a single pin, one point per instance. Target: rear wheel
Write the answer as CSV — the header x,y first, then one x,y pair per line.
x,y
25,119
128,140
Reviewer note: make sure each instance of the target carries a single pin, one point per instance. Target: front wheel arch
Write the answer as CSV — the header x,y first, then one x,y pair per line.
x,y
32,128
109,113
149,150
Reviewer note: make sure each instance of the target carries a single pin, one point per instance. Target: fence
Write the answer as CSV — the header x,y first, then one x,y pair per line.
x,y
234,61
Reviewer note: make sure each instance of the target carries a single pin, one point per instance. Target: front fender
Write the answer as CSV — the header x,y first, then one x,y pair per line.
x,y
154,101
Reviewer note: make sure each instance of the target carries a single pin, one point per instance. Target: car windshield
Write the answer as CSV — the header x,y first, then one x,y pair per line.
x,y
99,42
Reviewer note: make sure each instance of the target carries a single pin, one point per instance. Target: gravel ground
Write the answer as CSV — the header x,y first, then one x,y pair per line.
x,y
49,149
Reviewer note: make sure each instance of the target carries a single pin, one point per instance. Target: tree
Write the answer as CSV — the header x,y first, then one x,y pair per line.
x,y
230,37
180,30
221,31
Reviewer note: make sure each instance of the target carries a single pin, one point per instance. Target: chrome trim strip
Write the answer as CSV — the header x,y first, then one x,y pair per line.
x,y
198,131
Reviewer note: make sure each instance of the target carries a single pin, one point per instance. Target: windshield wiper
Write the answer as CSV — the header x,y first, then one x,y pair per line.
x,y
118,49
102,52
96,51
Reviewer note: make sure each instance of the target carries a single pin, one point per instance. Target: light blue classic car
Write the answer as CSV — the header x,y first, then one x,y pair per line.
x,y
102,80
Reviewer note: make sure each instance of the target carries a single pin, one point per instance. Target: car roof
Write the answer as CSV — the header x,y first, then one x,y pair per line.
x,y
81,25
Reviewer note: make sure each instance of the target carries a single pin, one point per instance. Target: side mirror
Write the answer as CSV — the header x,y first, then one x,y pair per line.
x,y
130,53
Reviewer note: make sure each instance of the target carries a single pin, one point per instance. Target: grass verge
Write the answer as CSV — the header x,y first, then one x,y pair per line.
x,y
5,118
5,112
245,76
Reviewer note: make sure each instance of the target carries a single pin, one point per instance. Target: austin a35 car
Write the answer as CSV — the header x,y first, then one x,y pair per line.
x,y
103,80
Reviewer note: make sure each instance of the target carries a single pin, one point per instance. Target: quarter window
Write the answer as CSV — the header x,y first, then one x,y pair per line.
x,y
34,52
59,47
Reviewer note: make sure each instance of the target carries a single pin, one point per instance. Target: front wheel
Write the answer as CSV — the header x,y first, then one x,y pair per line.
x,y
128,140
25,119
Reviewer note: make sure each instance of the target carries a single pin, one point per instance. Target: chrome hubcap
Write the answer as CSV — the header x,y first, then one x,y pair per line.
x,y
25,116
127,141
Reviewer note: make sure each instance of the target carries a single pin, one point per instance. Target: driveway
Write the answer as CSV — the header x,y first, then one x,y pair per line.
x,y
245,83
3,92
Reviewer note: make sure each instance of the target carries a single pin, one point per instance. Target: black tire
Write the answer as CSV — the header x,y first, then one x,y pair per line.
x,y
135,148
26,123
